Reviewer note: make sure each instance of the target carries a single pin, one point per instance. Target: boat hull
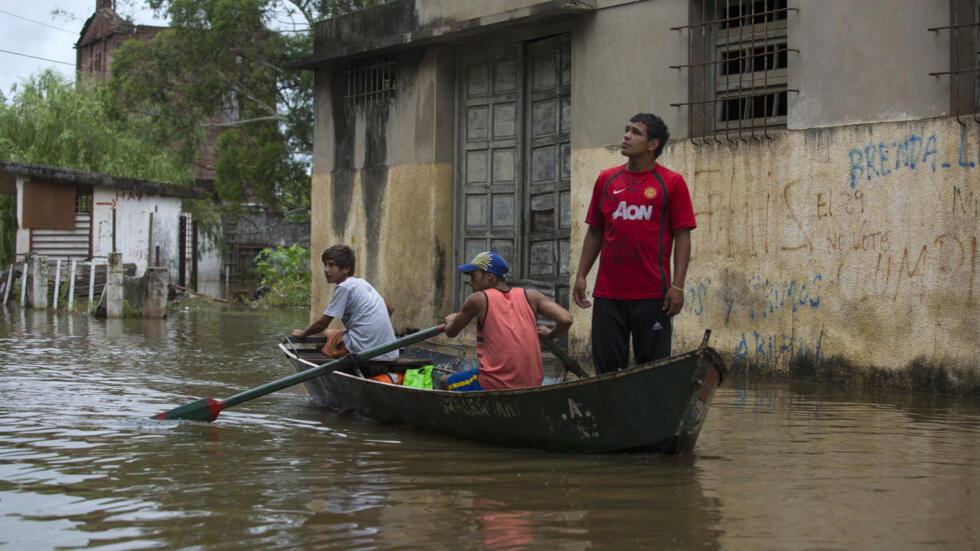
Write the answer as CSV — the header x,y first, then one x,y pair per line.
x,y
657,407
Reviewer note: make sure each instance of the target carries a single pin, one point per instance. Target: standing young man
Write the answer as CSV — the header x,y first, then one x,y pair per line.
x,y
640,212
365,314
507,329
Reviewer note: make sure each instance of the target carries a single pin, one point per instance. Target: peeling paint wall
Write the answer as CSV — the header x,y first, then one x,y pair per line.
x,y
857,244
133,237
133,226
382,184
407,258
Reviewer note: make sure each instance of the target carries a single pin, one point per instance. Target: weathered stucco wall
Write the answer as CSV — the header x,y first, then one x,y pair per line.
x,y
845,78
133,240
133,225
607,88
382,184
409,255
841,252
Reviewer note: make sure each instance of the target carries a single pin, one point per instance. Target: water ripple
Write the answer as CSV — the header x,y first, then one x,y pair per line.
x,y
778,465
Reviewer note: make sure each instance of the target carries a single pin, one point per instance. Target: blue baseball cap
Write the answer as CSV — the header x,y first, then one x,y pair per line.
x,y
487,261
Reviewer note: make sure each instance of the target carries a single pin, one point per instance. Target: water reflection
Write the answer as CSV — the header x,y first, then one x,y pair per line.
x,y
412,487
836,466
778,465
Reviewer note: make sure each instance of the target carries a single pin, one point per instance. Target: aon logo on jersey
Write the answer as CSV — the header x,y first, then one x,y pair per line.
x,y
632,212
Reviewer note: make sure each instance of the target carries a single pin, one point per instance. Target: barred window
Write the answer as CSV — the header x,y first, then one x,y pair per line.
x,y
964,57
83,201
738,54
371,80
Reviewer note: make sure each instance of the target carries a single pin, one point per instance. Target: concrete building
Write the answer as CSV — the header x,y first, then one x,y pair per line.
x,y
832,150
71,214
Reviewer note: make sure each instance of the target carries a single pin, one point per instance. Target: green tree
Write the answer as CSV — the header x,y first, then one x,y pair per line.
x,y
287,271
55,122
219,67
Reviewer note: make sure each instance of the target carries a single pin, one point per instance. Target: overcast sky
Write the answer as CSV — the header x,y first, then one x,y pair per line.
x,y
29,30
40,34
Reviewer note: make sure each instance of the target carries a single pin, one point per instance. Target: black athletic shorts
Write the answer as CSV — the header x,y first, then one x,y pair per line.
x,y
615,321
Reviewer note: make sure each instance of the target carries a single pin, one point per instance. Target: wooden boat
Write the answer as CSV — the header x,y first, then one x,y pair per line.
x,y
655,407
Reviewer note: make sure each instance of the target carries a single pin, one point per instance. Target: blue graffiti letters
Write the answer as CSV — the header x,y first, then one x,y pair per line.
x,y
878,160
759,350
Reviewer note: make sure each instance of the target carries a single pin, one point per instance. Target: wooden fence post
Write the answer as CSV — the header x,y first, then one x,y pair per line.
x,y
38,296
91,281
23,285
114,287
71,286
57,282
10,282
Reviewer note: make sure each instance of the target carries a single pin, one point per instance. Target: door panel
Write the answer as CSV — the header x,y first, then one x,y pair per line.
x,y
489,151
513,167
548,195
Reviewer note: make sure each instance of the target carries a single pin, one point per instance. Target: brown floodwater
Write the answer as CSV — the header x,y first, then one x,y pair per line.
x,y
778,465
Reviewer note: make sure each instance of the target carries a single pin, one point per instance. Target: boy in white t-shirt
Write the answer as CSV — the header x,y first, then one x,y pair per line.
x,y
365,314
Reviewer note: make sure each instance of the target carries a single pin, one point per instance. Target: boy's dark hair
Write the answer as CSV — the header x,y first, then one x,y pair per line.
x,y
342,256
656,128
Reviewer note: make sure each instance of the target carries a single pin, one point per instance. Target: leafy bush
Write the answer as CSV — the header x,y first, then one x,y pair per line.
x,y
287,271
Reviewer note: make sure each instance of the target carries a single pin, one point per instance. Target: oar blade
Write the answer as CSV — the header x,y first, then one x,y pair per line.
x,y
205,409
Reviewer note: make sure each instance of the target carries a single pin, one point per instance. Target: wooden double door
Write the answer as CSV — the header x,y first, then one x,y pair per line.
x,y
512,159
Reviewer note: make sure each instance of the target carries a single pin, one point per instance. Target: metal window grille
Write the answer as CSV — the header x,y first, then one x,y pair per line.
x,y
83,202
738,56
964,57
370,81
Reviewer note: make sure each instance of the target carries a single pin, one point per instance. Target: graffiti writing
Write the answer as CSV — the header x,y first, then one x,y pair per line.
x,y
806,243
878,160
581,419
861,240
477,407
777,295
694,298
853,203
129,195
770,350
965,202
946,254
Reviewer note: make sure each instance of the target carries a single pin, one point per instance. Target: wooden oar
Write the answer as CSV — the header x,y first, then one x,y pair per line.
x,y
207,409
567,360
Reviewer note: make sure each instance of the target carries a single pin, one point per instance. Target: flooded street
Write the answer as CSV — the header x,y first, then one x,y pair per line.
x,y
778,465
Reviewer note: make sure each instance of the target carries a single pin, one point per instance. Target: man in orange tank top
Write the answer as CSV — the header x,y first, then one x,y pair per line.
x,y
507,330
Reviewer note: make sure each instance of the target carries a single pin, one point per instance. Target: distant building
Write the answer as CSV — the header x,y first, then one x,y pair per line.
x,y
102,33
72,214
246,234
105,31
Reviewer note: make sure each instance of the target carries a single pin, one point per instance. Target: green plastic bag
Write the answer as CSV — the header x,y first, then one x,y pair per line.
x,y
419,378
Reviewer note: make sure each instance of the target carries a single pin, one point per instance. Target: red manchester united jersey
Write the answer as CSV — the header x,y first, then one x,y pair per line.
x,y
637,213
